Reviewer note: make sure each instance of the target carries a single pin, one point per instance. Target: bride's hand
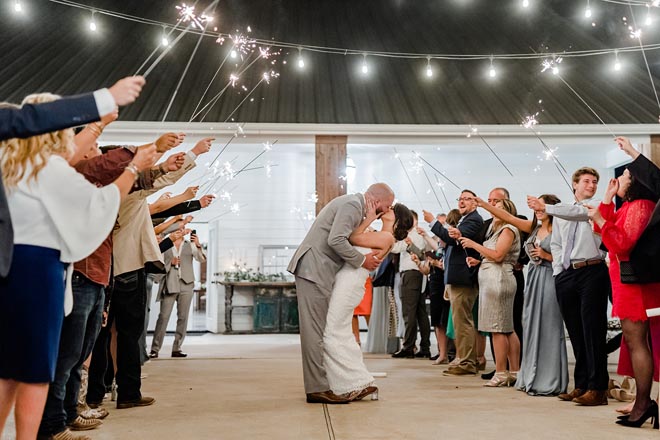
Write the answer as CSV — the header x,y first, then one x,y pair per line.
x,y
371,210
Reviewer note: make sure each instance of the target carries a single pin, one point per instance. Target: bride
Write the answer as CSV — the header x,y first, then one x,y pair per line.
x,y
345,369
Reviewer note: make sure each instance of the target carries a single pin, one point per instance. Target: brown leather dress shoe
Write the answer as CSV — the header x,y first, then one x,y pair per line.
x,y
568,397
144,401
592,398
366,391
326,397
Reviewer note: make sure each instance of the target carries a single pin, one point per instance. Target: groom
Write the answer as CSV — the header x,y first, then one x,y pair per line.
x,y
315,264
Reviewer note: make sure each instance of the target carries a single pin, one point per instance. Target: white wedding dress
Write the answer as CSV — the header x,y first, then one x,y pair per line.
x,y
342,356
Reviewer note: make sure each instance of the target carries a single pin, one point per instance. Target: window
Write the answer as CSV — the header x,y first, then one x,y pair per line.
x,y
275,258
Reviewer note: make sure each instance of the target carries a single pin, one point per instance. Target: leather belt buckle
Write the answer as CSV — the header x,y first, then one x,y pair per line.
x,y
585,263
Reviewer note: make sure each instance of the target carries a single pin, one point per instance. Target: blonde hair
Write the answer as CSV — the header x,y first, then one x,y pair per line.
x,y
20,154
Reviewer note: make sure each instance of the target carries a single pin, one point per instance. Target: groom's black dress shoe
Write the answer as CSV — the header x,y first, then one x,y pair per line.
x,y
179,354
326,397
404,354
423,354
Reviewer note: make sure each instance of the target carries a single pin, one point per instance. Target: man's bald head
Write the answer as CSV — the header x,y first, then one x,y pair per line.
x,y
383,195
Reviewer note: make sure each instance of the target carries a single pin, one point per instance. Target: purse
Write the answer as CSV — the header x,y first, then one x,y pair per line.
x,y
629,275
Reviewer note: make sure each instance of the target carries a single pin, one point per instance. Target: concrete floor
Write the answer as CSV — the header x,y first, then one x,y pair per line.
x,y
250,387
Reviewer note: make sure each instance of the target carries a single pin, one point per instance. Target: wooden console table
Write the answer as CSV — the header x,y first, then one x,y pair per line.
x,y
277,298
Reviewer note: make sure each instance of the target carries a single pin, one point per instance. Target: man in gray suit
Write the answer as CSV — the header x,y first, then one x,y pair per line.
x,y
315,264
177,287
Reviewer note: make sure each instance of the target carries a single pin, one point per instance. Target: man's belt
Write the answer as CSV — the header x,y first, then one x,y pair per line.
x,y
585,263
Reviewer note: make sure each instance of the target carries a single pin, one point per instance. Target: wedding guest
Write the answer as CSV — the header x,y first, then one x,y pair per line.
x,y
135,252
433,266
177,287
497,290
59,218
462,283
620,232
90,279
413,301
583,286
35,119
544,368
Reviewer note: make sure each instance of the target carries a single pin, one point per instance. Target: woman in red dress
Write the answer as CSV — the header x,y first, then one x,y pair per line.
x,y
620,232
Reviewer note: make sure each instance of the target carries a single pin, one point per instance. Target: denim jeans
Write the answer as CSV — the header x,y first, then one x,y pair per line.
x,y
79,333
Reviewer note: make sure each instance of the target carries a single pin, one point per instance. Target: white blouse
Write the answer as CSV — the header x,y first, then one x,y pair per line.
x,y
61,210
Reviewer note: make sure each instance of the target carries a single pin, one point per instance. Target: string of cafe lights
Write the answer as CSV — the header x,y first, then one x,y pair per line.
x,y
166,29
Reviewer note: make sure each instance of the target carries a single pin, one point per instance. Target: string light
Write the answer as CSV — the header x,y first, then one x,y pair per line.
x,y
18,7
164,40
492,72
649,17
92,23
587,11
233,54
365,66
617,63
525,3
301,61
429,70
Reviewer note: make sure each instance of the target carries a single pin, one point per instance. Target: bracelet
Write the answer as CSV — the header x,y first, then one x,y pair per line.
x,y
133,169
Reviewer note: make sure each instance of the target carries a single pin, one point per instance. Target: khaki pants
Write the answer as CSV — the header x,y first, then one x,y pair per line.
x,y
462,300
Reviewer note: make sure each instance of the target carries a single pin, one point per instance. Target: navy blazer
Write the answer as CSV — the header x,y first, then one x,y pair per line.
x,y
645,257
31,120
456,270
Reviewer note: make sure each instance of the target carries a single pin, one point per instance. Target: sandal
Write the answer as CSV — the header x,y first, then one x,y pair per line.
x,y
501,379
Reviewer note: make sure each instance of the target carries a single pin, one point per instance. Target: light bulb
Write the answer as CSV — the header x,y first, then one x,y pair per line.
x,y
525,3
587,12
165,42
365,66
233,54
649,20
617,66
301,61
429,71
491,72
18,7
555,70
92,24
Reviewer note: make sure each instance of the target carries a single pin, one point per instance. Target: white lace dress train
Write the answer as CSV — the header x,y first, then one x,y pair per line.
x,y
342,356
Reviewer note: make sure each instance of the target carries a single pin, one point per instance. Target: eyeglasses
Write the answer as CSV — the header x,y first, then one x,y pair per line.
x,y
465,199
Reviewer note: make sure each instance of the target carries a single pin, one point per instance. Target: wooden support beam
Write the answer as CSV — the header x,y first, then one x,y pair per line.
x,y
330,165
652,151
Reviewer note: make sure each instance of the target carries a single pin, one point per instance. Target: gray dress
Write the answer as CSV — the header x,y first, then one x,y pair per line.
x,y
544,369
497,286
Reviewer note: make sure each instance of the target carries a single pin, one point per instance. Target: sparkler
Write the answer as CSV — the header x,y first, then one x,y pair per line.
x,y
242,170
552,64
474,130
442,188
185,71
432,187
437,171
638,34
398,157
529,122
186,15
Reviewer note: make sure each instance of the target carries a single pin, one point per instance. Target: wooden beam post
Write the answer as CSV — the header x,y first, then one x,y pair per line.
x,y
330,165
652,151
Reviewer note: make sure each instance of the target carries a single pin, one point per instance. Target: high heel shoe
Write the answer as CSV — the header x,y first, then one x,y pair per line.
x,y
501,379
650,413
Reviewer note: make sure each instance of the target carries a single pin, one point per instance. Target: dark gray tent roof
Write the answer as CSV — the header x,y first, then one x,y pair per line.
x,y
53,51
